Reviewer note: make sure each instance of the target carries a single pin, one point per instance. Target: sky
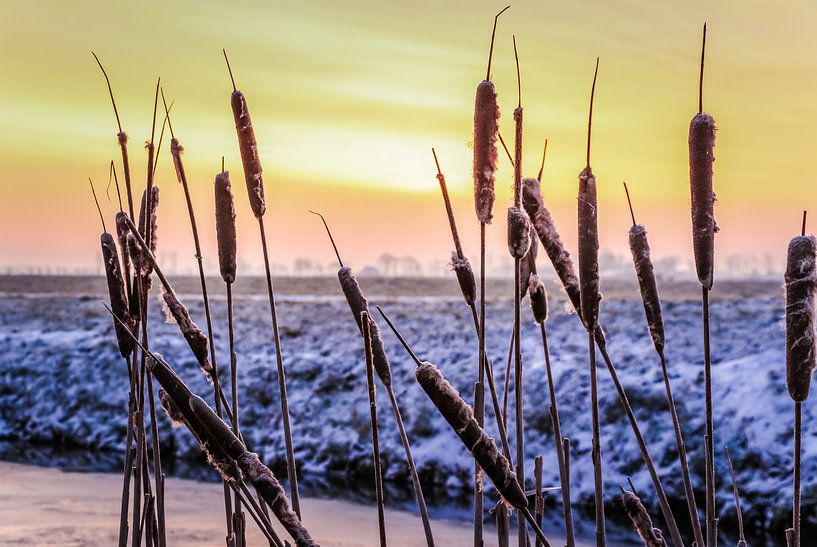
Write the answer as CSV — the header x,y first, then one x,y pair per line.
x,y
347,99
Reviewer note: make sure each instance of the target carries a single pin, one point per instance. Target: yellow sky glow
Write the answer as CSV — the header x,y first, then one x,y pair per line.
x,y
348,98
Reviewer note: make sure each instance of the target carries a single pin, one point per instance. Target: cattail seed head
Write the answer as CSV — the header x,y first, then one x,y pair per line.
x,y
465,277
225,227
358,304
801,285
518,232
486,130
460,417
196,339
642,522
122,237
538,299
589,249
551,242
145,265
701,159
640,248
118,295
249,153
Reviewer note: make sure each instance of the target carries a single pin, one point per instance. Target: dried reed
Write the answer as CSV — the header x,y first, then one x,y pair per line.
x,y
640,249
255,191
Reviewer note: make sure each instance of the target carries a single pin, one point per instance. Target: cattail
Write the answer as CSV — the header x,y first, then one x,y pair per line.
x,y
196,339
465,277
551,242
250,464
589,249
801,284
460,417
518,232
117,294
701,158
640,248
358,304
538,299
248,147
225,227
486,129
116,286
173,412
641,520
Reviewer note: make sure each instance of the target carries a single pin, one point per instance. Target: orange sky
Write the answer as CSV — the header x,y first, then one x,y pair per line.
x,y
348,98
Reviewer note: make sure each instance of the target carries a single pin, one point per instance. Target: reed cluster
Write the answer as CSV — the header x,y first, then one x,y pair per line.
x,y
130,265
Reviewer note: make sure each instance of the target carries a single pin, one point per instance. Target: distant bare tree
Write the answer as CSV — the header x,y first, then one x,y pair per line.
x,y
387,262
410,266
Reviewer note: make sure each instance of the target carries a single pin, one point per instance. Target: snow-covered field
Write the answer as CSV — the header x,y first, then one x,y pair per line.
x,y
63,386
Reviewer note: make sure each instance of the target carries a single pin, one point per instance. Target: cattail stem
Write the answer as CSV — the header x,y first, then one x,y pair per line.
x,y
689,492
415,479
539,499
378,476
292,473
520,429
798,435
564,478
601,538
711,510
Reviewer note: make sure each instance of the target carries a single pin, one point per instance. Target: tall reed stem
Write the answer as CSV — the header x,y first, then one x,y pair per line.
x,y
292,473
711,510
601,538
564,478
378,476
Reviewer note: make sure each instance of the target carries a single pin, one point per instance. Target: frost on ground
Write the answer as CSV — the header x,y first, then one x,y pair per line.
x,y
62,383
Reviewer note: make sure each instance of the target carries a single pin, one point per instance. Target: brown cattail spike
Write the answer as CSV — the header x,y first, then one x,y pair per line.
x,y
590,117
253,173
542,167
801,286
518,232
588,249
98,208
538,299
118,296
486,129
331,239
493,35
652,537
640,249
225,227
230,70
110,92
196,339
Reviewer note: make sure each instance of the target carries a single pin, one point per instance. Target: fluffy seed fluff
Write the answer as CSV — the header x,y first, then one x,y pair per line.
x,y
196,339
652,537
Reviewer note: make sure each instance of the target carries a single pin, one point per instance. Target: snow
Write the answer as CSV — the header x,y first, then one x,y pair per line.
x,y
63,383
